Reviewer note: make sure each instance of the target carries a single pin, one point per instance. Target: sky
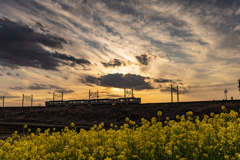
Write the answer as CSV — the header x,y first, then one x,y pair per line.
x,y
71,46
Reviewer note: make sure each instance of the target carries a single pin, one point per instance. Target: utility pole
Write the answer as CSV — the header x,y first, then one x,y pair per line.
x,y
31,100
174,89
97,95
132,93
124,93
89,94
239,85
177,95
22,100
53,96
225,94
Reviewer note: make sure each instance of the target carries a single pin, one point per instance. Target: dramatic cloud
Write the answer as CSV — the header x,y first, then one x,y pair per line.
x,y
58,89
64,91
143,59
21,45
16,88
92,80
54,87
37,86
79,61
113,63
11,97
118,80
162,80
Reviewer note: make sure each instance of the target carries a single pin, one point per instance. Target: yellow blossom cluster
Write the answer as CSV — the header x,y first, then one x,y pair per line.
x,y
214,137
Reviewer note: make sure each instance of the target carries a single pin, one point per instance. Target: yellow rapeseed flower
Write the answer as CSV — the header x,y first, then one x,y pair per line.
x,y
189,113
159,113
25,126
223,108
213,137
72,125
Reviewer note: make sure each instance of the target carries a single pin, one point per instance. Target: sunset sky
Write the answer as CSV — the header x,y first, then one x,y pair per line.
x,y
72,46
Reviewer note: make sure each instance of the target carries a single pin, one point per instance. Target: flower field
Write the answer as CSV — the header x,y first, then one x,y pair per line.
x,y
216,136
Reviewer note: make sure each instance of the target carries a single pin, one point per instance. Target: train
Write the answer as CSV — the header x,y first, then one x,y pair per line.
x,y
119,101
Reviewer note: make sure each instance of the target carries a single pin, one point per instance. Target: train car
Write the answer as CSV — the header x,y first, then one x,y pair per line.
x,y
56,103
129,101
78,102
119,101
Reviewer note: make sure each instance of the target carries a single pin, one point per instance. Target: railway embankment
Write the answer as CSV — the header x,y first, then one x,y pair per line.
x,y
89,115
13,118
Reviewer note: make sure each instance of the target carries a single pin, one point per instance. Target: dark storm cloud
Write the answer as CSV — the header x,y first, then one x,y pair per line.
x,y
16,88
143,59
20,45
64,91
118,80
16,32
41,27
58,89
37,86
54,87
162,80
79,61
113,63
92,80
